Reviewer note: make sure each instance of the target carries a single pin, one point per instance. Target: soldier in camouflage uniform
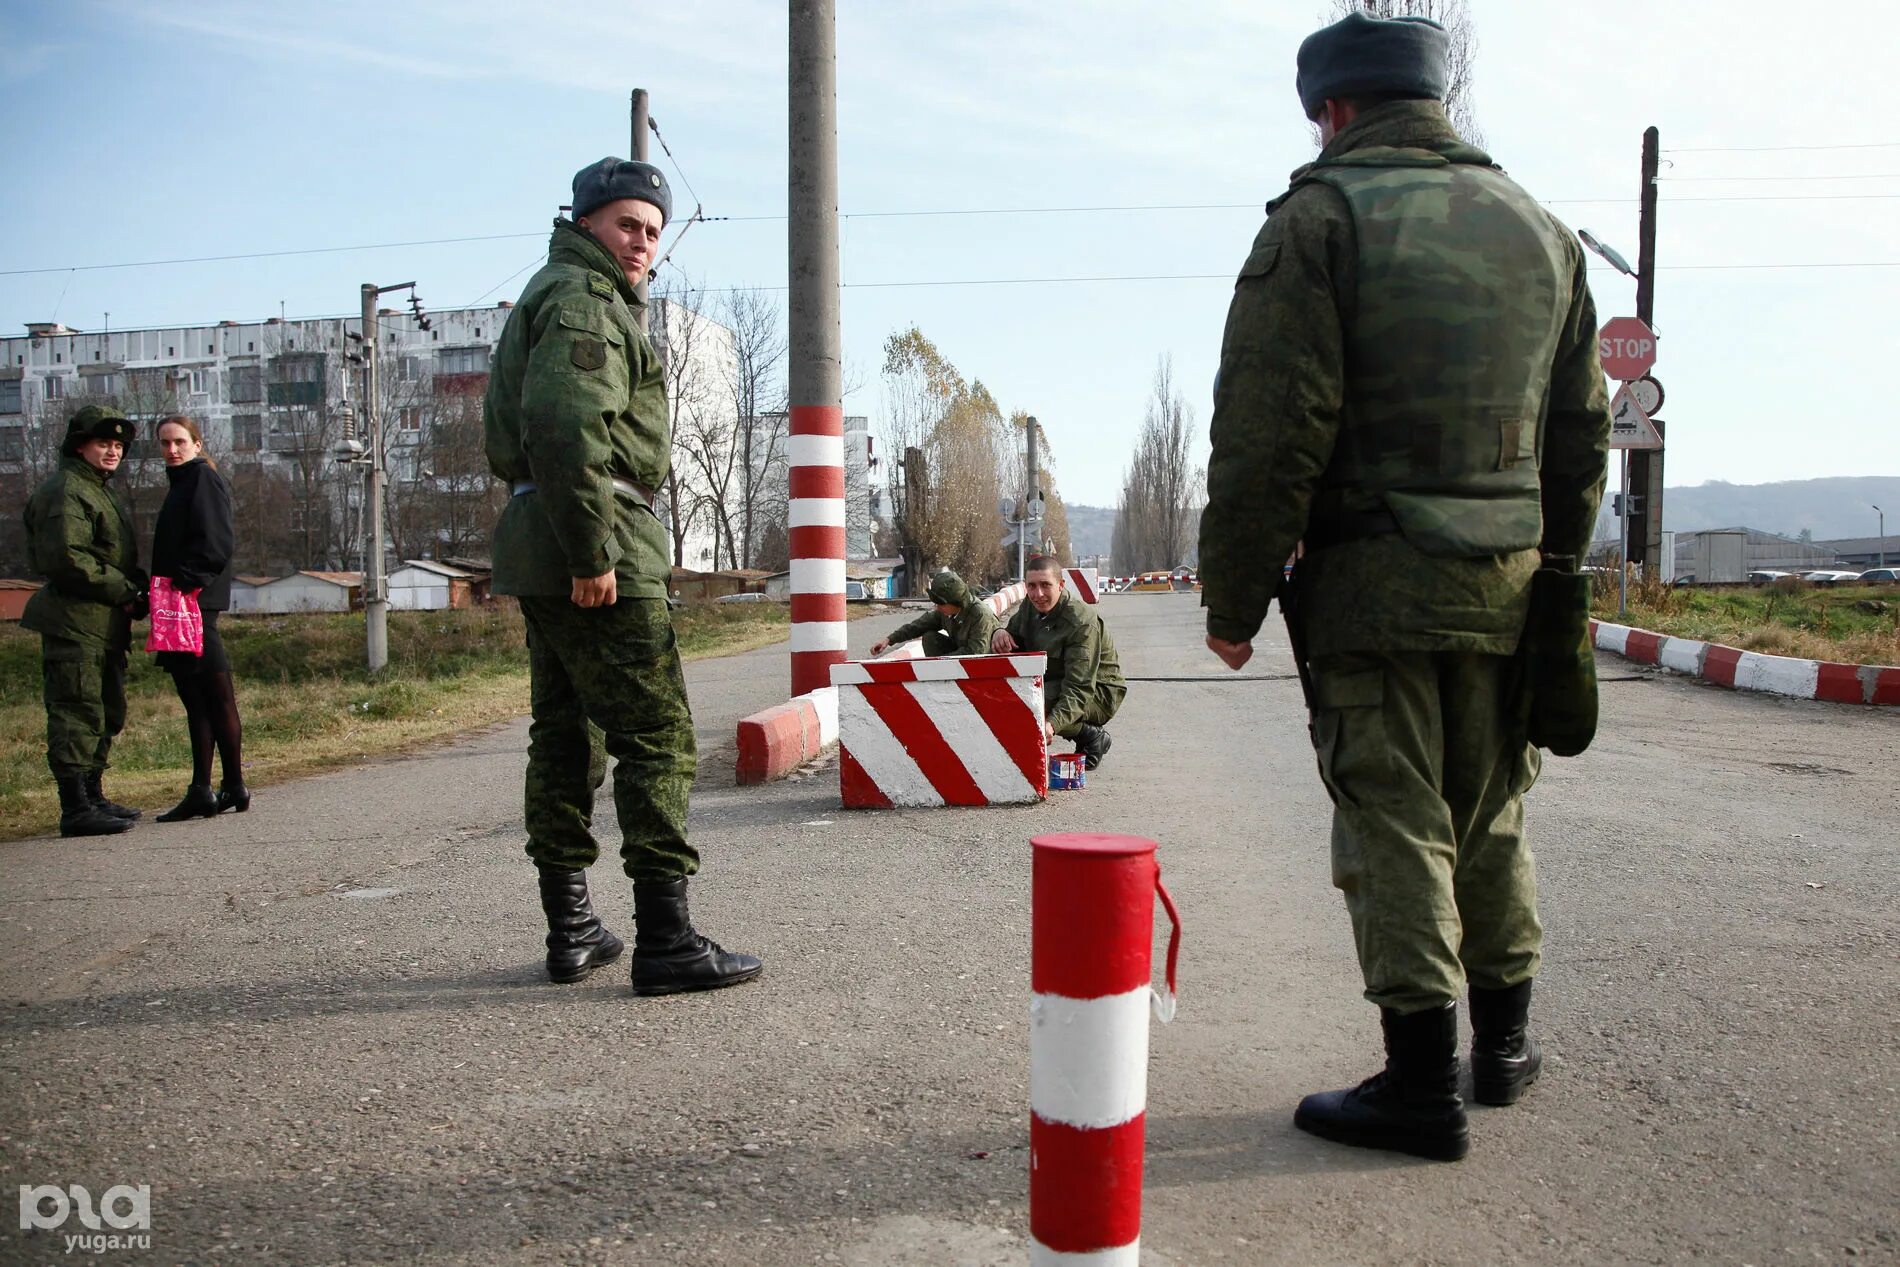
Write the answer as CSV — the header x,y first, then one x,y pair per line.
x,y
1409,383
1083,688
576,425
962,624
79,538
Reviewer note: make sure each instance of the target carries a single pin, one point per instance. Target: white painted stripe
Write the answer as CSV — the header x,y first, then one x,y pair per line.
x,y
818,635
882,757
1029,691
1128,1255
1684,655
816,512
1088,1058
1613,637
815,450
1783,675
824,702
981,750
817,576
939,669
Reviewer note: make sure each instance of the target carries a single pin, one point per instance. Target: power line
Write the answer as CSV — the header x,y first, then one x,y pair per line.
x,y
264,255
1776,149
1860,176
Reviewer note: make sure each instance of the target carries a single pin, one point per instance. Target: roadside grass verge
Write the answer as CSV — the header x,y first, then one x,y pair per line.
x,y
1848,624
308,703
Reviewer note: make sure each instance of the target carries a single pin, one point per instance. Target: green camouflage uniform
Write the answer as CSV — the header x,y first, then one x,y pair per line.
x,y
1409,382
966,633
1084,684
577,398
79,538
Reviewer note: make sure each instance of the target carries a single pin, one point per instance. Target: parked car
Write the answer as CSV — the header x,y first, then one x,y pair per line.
x,y
1883,576
744,598
1766,575
1828,576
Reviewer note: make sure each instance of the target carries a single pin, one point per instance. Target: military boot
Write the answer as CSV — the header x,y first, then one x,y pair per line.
x,y
578,942
1505,1059
1410,1107
1093,743
78,816
669,956
99,801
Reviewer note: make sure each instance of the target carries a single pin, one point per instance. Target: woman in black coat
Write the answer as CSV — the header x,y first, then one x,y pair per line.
x,y
192,546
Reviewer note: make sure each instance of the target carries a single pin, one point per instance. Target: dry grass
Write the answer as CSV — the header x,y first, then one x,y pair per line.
x,y
307,702
1852,624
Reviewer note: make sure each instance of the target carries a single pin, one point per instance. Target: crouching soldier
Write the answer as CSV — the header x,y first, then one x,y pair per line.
x,y
962,623
1083,686
79,538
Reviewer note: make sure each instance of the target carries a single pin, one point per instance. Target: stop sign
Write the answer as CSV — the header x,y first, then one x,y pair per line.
x,y
1627,348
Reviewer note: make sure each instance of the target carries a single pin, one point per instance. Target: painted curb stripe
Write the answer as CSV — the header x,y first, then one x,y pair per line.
x,y
904,716
1013,707
1088,1059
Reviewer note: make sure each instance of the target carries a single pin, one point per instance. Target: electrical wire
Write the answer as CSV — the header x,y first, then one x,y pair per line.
x,y
1777,149
264,255
1727,179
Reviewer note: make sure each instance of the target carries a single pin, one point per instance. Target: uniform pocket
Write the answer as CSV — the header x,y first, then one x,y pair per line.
x,y
636,632
1349,738
1260,263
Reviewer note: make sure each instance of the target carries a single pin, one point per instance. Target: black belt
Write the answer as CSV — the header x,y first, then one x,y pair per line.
x,y
1342,527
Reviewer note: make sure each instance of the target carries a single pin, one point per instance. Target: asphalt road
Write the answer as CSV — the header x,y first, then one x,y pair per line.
x,y
320,1033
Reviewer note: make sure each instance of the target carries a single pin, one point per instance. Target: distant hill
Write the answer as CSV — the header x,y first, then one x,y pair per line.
x,y
1839,506
1092,529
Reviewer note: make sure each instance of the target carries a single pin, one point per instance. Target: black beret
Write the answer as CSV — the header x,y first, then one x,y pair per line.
x,y
96,422
1366,56
611,179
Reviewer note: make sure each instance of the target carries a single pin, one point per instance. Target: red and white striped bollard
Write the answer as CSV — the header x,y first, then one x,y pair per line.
x,y
1092,918
815,448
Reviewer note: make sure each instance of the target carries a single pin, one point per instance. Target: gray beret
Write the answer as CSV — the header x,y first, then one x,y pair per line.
x,y
611,179
1362,56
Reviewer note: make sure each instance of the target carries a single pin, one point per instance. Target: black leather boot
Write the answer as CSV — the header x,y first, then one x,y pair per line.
x,y
1410,1107
669,957
1093,743
200,802
1504,1057
99,801
578,942
233,796
78,816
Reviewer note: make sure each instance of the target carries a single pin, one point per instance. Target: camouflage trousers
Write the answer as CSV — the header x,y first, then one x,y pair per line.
x,y
1099,711
938,644
1424,756
85,703
607,682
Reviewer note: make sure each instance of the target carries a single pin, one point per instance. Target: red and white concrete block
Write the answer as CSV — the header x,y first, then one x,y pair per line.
x,y
1092,922
941,731
1751,670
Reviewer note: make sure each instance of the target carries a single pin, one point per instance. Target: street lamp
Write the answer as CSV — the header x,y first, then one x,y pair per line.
x,y
1609,253
1882,547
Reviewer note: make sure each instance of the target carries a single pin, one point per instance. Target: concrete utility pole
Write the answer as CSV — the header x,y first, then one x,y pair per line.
x,y
375,601
641,128
1029,514
816,432
1646,465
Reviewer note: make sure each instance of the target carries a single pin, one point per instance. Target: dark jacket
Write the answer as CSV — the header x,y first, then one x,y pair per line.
x,y
1084,680
193,541
80,539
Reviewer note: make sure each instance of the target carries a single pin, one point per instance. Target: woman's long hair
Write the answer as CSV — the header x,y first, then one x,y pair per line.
x,y
191,429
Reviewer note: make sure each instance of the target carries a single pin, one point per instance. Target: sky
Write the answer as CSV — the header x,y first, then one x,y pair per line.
x,y
143,132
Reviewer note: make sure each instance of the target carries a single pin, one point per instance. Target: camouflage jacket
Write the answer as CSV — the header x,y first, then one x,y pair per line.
x,y
577,398
80,539
1082,659
969,630
1286,391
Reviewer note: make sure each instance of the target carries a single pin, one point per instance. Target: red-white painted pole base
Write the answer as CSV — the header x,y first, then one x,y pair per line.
x,y
1090,967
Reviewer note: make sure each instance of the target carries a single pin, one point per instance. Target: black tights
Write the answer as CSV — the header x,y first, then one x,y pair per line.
x,y
211,717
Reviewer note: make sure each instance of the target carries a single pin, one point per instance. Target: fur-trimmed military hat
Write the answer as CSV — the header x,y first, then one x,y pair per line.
x,y
611,179
96,422
947,587
1366,56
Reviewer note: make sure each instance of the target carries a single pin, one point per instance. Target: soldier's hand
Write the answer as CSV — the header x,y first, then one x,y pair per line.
x,y
1232,654
595,591
1001,643
880,646
1048,733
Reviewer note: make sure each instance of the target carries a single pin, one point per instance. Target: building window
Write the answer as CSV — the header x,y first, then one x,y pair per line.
x,y
59,358
9,396
296,380
247,384
55,388
247,433
409,417
200,382
171,351
211,349
409,368
12,444
461,360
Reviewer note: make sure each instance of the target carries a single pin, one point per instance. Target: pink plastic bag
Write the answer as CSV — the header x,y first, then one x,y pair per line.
x,y
177,624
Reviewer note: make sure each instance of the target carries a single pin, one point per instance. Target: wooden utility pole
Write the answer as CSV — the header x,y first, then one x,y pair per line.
x,y
1646,465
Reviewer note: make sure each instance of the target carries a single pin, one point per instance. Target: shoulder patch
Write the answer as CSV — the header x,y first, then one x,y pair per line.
x,y
600,286
588,354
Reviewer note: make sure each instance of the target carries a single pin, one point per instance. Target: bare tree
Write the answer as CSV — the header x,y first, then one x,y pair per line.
x,y
756,388
1455,17
680,336
1161,487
